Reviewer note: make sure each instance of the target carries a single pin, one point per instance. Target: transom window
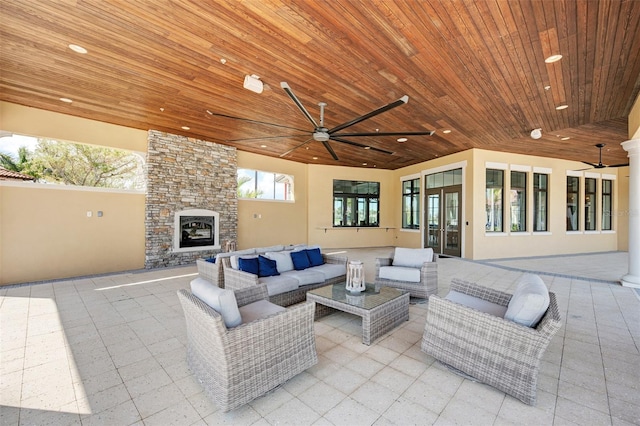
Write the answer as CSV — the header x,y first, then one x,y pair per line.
x,y
356,203
264,185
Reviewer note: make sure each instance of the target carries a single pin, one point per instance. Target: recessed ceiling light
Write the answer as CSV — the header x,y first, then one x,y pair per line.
x,y
364,164
186,128
67,100
553,58
263,146
77,49
223,61
559,107
566,138
367,147
402,139
446,131
315,158
547,87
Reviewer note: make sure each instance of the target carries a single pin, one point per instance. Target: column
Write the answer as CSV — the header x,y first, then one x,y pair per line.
x,y
632,279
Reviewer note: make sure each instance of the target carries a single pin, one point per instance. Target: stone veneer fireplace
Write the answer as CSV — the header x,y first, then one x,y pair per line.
x,y
188,175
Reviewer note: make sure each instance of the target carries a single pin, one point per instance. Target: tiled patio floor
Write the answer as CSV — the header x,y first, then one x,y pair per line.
x,y
111,350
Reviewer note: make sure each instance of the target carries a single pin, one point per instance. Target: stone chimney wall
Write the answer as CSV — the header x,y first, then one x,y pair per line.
x,y
187,173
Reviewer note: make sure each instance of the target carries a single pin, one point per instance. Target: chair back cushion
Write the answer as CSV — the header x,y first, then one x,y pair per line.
x,y
283,260
221,300
529,302
412,258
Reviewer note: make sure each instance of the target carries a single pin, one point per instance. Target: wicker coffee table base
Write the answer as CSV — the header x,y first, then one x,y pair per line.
x,y
375,322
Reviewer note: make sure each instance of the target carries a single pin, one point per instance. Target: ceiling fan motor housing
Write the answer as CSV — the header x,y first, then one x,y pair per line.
x,y
321,135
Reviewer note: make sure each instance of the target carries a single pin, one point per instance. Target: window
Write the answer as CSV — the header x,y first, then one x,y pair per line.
x,y
573,192
411,204
590,204
607,204
518,201
356,203
540,202
494,200
264,185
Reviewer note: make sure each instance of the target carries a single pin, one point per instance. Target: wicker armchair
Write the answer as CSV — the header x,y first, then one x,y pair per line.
x,y
427,285
240,364
493,350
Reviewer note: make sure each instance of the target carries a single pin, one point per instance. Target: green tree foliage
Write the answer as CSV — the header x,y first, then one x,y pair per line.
x,y
19,165
84,165
248,191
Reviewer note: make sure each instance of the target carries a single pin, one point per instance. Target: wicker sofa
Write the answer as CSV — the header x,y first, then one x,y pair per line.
x,y
290,286
489,348
239,364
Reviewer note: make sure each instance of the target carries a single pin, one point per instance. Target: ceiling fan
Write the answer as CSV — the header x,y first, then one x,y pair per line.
x,y
323,134
600,165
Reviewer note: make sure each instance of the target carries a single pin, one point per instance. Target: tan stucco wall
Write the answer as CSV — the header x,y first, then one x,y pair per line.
x,y
46,233
320,195
45,124
263,223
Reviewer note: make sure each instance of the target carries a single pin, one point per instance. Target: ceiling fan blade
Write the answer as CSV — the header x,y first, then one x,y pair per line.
x,y
266,138
293,97
296,147
372,148
331,151
619,165
426,133
590,164
248,120
403,100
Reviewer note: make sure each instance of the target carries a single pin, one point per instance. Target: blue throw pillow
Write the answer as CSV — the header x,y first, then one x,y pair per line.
x,y
250,265
315,257
300,260
211,259
268,267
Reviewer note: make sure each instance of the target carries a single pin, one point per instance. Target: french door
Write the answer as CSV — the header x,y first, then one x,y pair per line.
x,y
443,216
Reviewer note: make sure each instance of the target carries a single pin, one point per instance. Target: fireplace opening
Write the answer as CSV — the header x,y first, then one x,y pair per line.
x,y
196,229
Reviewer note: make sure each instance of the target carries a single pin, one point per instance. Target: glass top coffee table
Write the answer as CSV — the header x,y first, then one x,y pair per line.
x,y
381,310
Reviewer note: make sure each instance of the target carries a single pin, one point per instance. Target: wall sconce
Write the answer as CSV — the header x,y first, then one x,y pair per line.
x,y
252,82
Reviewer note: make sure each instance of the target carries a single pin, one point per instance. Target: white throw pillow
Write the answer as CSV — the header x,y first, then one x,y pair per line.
x,y
529,302
412,258
221,300
283,260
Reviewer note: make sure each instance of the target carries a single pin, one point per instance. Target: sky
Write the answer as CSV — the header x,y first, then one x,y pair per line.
x,y
10,144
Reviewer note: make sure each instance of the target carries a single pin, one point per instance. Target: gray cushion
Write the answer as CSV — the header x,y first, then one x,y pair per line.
x,y
257,310
400,273
306,276
476,303
262,250
221,300
412,258
331,270
529,302
278,284
282,258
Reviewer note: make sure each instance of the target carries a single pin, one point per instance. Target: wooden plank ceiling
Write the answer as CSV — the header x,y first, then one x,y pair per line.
x,y
475,68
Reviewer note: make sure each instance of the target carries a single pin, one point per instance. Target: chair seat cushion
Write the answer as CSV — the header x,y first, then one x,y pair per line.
x,y
476,303
529,302
400,273
279,284
257,310
331,270
412,258
221,300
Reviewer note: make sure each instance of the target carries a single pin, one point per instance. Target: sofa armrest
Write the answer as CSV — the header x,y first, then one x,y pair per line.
x,y
331,258
481,292
210,271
